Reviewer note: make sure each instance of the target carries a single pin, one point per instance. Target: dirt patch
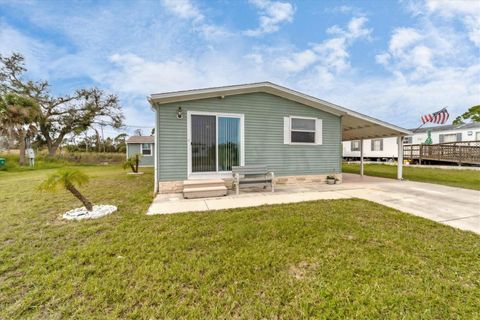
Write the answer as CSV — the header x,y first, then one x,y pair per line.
x,y
302,270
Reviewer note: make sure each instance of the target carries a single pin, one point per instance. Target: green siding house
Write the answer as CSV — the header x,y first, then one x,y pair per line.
x,y
201,134
143,146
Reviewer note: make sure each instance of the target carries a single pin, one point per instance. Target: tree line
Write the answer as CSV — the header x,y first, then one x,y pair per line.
x,y
30,111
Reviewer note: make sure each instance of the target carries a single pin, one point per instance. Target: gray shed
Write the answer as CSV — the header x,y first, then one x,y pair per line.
x,y
144,146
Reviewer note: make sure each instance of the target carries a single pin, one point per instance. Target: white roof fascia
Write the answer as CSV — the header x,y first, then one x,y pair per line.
x,y
267,87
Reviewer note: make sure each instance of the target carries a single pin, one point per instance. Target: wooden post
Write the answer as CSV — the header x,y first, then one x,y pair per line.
x,y
361,157
420,150
460,155
400,159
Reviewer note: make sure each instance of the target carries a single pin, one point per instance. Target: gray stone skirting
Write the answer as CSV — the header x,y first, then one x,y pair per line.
x,y
177,186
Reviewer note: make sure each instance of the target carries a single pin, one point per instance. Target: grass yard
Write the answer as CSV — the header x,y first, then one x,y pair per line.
x,y
325,259
468,179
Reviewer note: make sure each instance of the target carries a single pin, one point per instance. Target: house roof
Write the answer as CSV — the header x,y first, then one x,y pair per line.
x,y
451,127
354,124
141,139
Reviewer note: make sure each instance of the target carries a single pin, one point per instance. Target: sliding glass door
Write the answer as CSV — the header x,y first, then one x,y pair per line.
x,y
215,143
228,143
204,143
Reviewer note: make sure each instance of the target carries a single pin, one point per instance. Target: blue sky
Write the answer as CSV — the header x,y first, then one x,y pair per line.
x,y
391,60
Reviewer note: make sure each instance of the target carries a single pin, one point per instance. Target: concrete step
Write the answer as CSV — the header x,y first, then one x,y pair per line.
x,y
204,192
203,183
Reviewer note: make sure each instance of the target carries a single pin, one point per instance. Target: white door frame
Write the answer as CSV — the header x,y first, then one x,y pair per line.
x,y
213,174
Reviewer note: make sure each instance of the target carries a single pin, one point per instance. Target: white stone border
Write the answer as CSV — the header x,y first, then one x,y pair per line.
x,y
82,213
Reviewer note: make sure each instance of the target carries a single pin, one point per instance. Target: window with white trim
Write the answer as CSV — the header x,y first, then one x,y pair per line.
x,y
146,149
450,137
377,145
302,130
407,140
355,145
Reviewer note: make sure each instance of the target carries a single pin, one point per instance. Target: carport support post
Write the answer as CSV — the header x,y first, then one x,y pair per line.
x,y
400,158
361,157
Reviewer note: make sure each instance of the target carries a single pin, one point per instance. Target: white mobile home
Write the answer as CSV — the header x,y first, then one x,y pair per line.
x,y
387,148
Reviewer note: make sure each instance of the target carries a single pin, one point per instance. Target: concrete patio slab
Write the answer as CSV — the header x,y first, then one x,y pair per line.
x,y
459,208
262,199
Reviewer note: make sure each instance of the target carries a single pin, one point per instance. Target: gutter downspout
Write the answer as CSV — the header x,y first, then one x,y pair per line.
x,y
341,145
156,146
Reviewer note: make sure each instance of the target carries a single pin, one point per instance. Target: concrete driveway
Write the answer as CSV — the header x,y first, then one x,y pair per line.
x,y
455,207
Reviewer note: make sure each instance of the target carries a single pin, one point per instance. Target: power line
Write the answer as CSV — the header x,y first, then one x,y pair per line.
x,y
136,126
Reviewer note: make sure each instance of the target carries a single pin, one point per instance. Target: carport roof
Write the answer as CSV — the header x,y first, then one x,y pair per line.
x,y
354,124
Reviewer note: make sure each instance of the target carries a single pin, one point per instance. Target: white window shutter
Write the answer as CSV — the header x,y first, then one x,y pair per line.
x,y
318,131
286,130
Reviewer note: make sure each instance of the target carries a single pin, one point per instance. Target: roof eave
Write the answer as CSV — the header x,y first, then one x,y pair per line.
x,y
268,87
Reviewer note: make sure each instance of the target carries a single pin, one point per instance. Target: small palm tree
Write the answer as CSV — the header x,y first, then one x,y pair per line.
x,y
18,116
68,178
132,162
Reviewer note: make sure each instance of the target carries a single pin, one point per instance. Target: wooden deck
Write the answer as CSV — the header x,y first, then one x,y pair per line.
x,y
465,152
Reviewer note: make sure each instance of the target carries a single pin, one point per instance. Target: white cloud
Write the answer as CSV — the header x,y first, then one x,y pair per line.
x,y
403,38
428,63
187,10
184,9
432,65
356,28
298,61
272,14
417,52
330,55
134,74
38,54
465,11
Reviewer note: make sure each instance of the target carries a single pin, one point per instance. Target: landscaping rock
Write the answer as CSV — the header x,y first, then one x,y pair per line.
x,y
82,213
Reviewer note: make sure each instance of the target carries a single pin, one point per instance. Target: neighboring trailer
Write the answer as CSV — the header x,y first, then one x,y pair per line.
x,y
387,148
143,146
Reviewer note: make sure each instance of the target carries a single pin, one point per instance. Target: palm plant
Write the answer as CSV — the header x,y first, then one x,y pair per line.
x,y
68,179
132,162
18,115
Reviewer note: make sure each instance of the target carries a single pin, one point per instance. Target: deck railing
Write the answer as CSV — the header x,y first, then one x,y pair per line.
x,y
467,152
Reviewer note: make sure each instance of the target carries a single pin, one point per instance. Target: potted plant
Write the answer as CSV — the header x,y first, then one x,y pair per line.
x,y
331,180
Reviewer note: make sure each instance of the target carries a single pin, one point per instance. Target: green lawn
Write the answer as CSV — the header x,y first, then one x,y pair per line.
x,y
468,179
325,259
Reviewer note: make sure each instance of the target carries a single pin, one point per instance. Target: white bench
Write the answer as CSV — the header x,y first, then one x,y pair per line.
x,y
252,175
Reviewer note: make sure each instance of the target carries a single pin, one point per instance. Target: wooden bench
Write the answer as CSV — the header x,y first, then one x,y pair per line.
x,y
252,175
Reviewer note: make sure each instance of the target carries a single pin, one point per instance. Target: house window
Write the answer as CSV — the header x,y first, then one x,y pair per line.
x,y
451,137
146,149
477,135
408,140
302,130
355,145
377,145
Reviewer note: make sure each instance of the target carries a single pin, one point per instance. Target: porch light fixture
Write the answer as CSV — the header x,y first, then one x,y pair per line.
x,y
179,113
